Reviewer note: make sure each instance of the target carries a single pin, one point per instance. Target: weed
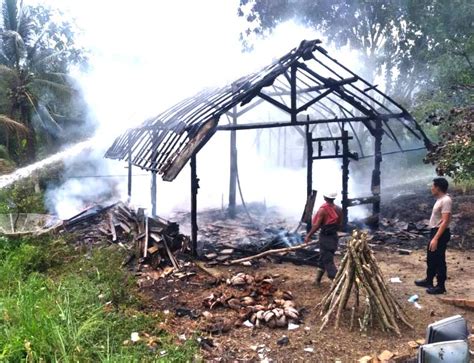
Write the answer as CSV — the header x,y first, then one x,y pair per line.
x,y
79,311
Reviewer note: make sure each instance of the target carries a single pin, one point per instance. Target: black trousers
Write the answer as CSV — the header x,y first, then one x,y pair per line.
x,y
327,249
436,260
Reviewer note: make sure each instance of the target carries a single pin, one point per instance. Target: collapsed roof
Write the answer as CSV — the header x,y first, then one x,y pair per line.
x,y
306,80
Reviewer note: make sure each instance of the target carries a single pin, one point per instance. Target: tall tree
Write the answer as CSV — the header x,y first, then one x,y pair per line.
x,y
403,40
423,48
36,53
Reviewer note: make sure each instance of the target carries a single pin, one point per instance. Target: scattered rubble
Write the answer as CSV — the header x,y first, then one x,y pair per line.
x,y
394,232
223,239
257,301
151,241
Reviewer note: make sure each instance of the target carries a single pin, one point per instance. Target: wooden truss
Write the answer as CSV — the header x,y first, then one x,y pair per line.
x,y
308,85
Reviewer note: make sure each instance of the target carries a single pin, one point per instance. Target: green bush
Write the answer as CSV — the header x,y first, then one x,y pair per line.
x,y
80,310
22,197
454,154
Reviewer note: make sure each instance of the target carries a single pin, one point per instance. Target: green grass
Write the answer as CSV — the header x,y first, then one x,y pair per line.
x,y
465,185
56,306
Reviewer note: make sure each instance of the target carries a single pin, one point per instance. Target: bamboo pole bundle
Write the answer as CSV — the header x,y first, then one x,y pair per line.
x,y
359,273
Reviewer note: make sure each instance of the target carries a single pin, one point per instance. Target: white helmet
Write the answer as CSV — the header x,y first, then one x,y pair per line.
x,y
330,195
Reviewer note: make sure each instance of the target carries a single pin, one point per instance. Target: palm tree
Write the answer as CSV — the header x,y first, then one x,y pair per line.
x,y
34,57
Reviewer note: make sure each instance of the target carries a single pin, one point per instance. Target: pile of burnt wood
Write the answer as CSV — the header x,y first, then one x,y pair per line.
x,y
395,232
153,240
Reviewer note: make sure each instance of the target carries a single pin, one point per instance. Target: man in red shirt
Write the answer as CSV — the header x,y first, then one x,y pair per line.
x,y
329,220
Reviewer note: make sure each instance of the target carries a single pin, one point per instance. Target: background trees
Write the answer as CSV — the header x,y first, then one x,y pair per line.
x,y
37,51
422,49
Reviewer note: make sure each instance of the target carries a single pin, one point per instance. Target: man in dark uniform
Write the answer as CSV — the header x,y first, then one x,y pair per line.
x,y
329,220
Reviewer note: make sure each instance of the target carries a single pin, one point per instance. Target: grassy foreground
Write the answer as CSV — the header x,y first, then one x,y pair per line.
x,y
58,306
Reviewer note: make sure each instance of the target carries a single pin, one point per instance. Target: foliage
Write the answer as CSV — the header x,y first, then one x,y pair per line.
x,y
37,50
424,49
23,196
454,156
407,41
66,308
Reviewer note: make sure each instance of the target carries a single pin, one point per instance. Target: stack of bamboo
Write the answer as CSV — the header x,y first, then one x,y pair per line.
x,y
360,274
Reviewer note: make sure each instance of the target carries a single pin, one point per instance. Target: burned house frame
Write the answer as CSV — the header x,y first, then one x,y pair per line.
x,y
312,89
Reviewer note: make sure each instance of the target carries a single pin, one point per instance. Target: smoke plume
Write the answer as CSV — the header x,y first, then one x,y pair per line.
x,y
147,56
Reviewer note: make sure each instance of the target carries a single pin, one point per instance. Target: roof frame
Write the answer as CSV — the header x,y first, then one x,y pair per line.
x,y
314,82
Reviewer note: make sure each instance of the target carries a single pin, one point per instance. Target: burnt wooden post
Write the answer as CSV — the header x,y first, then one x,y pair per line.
x,y
375,185
309,166
345,178
129,187
294,111
194,191
153,193
233,167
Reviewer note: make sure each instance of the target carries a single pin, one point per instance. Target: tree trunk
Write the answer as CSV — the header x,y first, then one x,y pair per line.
x,y
31,137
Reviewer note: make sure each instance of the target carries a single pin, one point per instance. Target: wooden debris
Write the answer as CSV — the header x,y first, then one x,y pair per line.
x,y
462,303
145,245
132,231
385,356
359,272
275,251
112,227
153,249
227,251
365,359
170,255
125,227
156,237
420,341
211,272
403,251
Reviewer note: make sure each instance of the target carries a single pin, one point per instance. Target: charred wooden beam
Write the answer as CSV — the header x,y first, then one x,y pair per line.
x,y
267,125
309,166
233,169
345,178
309,89
153,193
375,187
194,192
406,115
350,155
333,138
274,102
314,100
294,106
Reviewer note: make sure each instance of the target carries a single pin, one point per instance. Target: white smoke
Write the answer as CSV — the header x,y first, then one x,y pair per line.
x,y
146,56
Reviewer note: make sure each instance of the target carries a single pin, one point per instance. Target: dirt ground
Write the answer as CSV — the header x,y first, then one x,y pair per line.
x,y
249,344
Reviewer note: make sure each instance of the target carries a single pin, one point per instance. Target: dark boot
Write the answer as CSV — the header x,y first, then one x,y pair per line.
x,y
319,276
438,290
424,283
